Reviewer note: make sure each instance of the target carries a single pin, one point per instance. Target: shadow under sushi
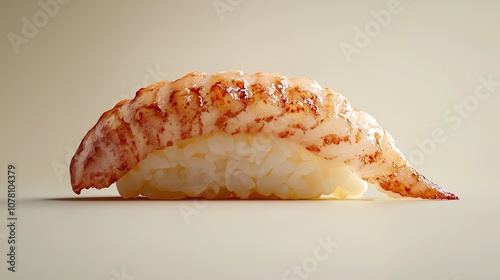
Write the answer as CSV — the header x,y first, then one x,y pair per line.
x,y
326,198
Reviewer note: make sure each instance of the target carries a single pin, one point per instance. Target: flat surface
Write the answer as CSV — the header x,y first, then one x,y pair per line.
x,y
374,238
428,71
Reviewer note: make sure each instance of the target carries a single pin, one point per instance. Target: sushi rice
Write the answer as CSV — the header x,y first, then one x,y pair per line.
x,y
242,165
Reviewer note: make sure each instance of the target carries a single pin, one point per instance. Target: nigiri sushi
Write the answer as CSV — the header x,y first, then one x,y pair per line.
x,y
236,135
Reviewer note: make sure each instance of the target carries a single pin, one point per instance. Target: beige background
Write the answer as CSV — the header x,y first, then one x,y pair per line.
x,y
81,57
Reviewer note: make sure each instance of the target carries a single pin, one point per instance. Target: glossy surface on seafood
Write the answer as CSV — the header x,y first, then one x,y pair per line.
x,y
319,119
